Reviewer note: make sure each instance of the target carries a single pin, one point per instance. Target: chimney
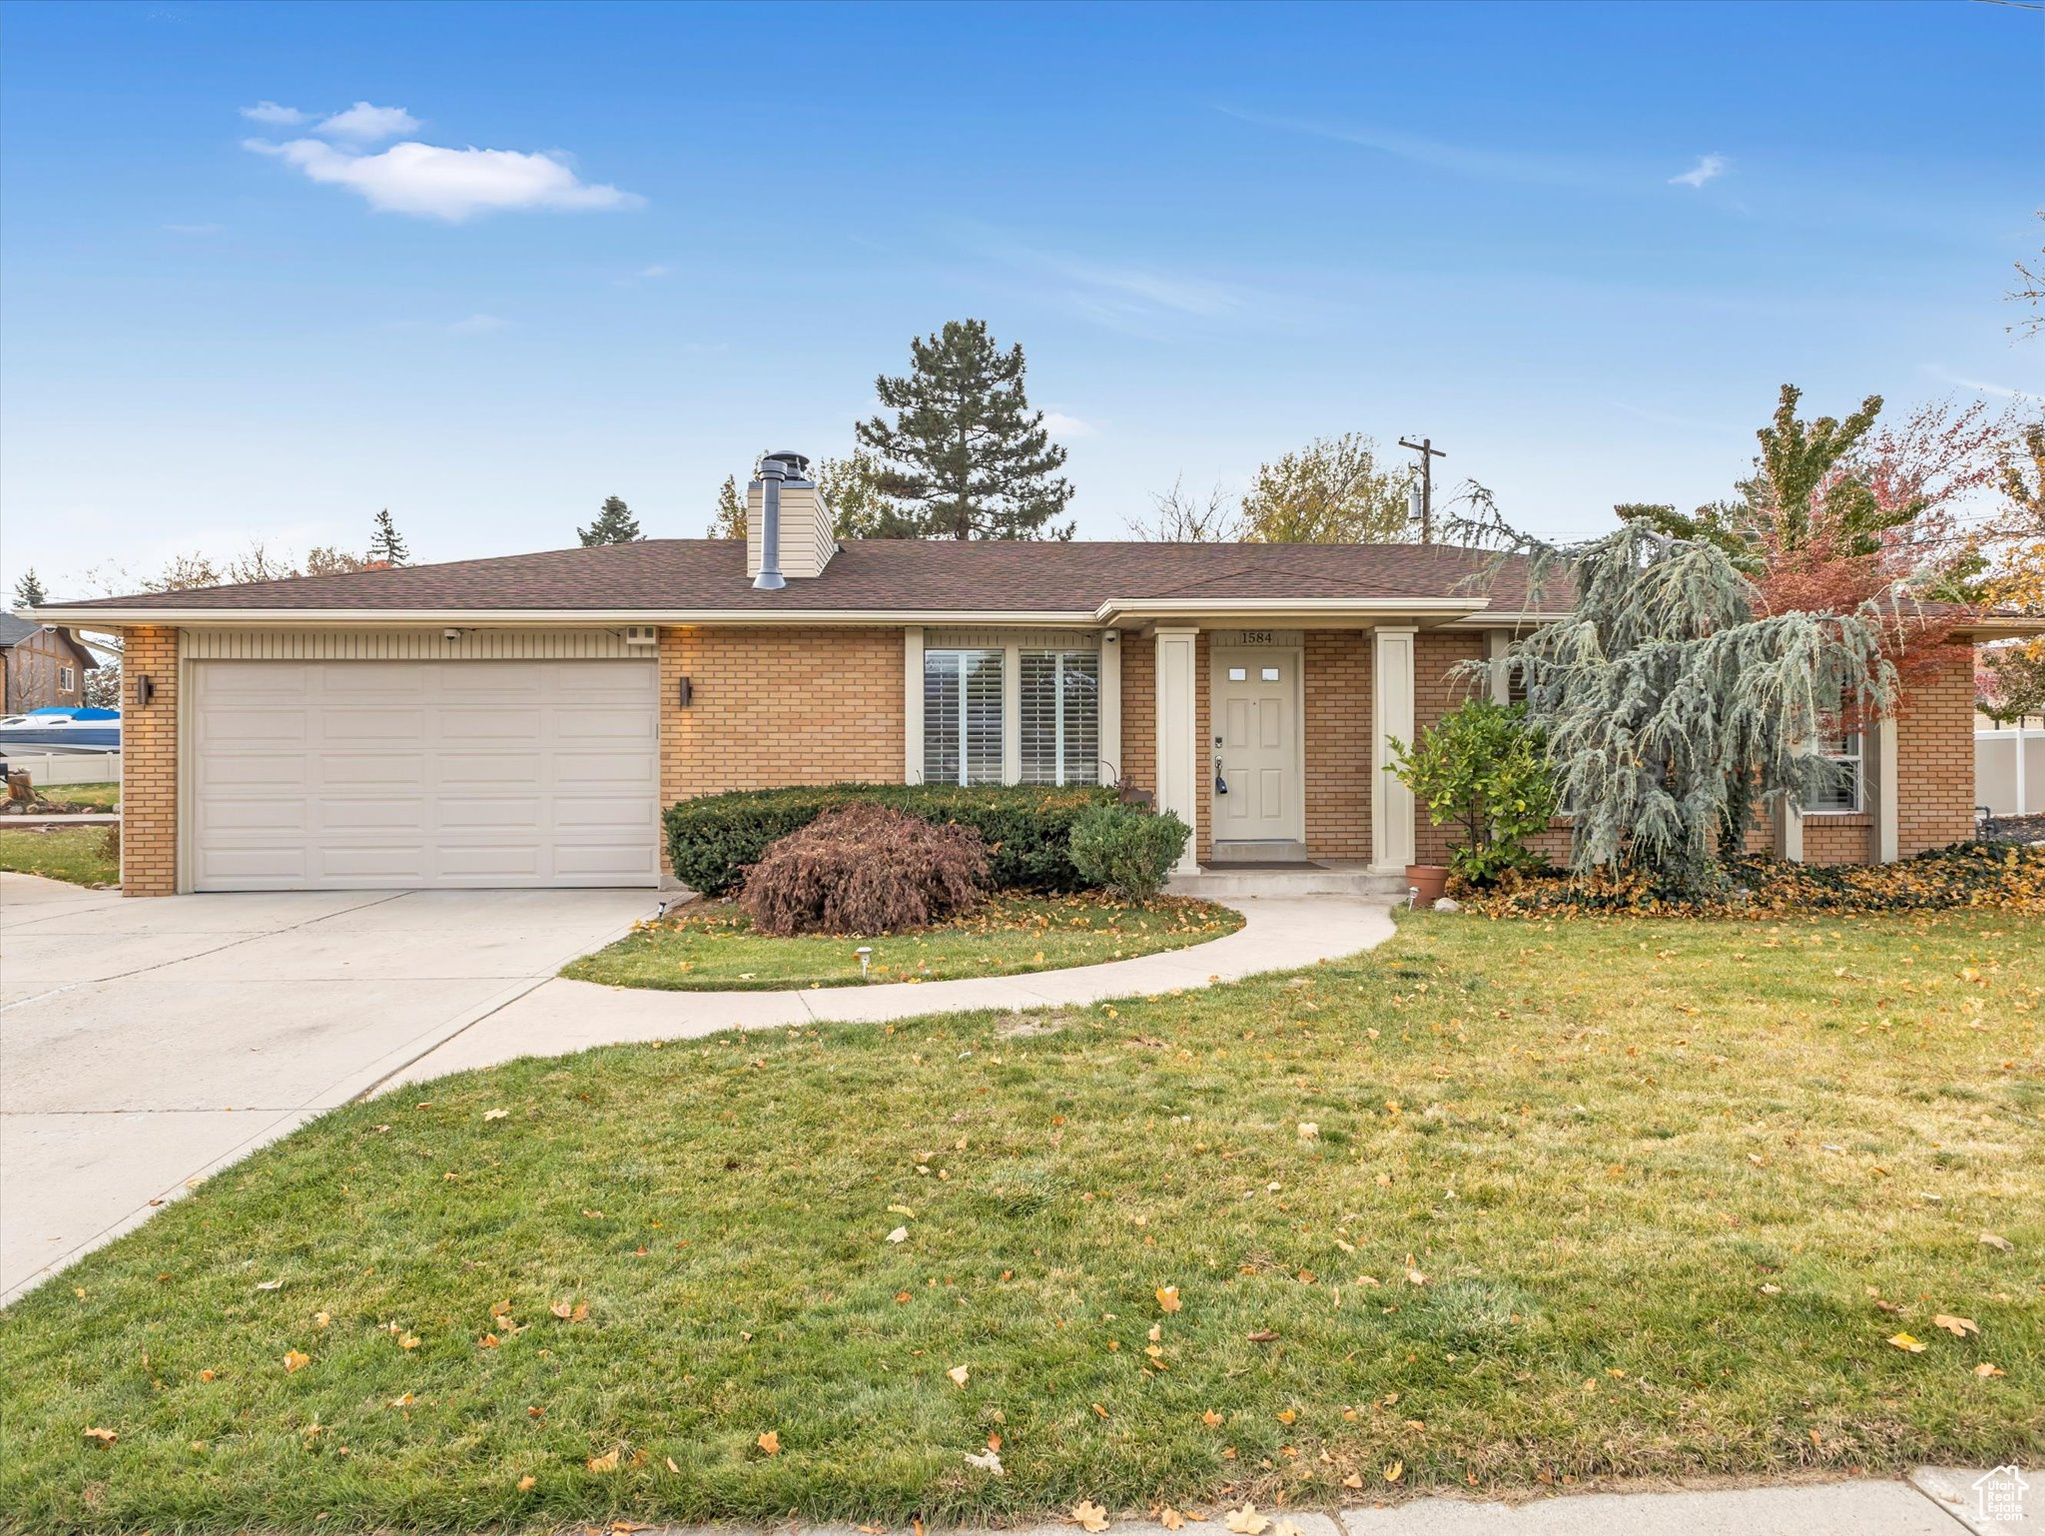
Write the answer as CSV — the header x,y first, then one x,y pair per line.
x,y
788,527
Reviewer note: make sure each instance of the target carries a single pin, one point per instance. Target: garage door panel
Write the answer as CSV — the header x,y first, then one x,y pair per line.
x,y
355,724
366,774
383,813
365,771
461,773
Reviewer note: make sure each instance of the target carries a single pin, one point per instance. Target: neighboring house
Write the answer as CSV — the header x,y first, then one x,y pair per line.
x,y
522,721
44,668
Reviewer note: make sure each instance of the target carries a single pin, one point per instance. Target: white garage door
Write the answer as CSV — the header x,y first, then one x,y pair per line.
x,y
325,775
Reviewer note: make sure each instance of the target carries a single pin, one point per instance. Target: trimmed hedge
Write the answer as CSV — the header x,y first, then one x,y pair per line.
x,y
1128,851
1027,827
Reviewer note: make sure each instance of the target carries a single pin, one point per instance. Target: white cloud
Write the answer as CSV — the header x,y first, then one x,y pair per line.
x,y
1707,168
1061,425
1981,386
366,124
432,182
477,325
270,112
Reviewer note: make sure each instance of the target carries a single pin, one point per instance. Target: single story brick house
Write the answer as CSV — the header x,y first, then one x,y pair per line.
x,y
522,721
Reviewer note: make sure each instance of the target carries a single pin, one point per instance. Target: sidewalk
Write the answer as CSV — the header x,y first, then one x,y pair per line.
x,y
1933,1501
1278,934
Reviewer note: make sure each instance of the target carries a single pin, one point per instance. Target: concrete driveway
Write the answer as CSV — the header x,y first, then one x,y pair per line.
x,y
145,1043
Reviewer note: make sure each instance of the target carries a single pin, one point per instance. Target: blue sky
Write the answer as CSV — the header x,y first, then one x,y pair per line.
x,y
1580,246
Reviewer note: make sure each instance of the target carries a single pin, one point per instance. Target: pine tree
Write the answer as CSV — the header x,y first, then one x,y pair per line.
x,y
614,524
386,544
730,519
965,457
28,591
1674,704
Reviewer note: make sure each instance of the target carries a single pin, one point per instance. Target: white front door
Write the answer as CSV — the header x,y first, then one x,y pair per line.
x,y
1255,768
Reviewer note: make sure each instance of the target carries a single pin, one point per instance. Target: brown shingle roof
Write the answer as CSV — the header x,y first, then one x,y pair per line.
x,y
669,575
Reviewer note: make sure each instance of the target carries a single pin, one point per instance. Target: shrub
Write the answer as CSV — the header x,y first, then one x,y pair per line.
x,y
1027,828
2008,877
864,868
1129,851
1482,767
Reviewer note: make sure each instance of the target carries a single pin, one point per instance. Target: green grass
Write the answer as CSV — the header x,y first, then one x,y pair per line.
x,y
712,947
77,854
101,797
1585,1200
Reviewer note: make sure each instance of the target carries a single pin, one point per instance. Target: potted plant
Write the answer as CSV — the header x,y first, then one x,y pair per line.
x,y
1483,769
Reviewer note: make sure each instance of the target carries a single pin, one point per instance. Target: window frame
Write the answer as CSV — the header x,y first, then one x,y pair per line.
x,y
1018,763
1843,748
67,679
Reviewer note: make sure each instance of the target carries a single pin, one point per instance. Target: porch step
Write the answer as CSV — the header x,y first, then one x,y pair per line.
x,y
1262,852
1218,882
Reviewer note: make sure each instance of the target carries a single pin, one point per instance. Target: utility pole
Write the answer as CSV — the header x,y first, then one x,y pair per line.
x,y
1428,454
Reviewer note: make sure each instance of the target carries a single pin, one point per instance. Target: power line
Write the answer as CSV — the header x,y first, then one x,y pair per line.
x,y
1428,454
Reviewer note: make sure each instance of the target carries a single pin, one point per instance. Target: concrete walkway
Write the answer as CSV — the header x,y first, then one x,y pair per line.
x,y
560,1016
1933,1501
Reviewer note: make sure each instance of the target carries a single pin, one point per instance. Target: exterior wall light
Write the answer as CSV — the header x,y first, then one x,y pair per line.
x,y
145,690
683,693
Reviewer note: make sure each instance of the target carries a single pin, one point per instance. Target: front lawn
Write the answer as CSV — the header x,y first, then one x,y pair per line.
x,y
1496,1206
712,946
77,854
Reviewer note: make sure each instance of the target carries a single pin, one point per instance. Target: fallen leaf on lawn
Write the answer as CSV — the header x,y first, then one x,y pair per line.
x,y
1263,1336
1415,1277
1904,1341
1345,1247
1246,1521
901,1210
770,1442
269,1285
1099,1411
1168,1298
1353,1480
1309,1131
608,1462
294,1360
1286,1415
958,1374
568,1313
401,1402
1089,1516
321,1319
527,1483
1993,1241
1958,1327
1984,1369
1210,1418
671,1464
989,1461
899,1235
1771,1290
409,1341
496,1114
1395,1471
1171,1519
1286,1528
103,1436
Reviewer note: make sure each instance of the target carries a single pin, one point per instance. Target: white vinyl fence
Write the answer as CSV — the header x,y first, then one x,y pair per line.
x,y
67,767
2009,772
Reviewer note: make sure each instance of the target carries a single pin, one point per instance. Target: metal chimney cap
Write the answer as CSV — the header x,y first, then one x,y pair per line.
x,y
793,466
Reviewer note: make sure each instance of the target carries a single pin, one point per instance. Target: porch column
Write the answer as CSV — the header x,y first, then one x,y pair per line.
x,y
1789,833
912,704
1111,703
1495,641
1887,839
1179,760
1391,802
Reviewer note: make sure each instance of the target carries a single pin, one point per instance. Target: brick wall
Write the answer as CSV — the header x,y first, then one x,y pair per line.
x,y
779,706
1338,743
1203,748
1436,691
1935,761
149,763
1139,711
1839,839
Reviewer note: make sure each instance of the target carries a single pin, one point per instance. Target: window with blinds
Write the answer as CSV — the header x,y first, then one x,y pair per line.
x,y
1060,728
1842,791
962,717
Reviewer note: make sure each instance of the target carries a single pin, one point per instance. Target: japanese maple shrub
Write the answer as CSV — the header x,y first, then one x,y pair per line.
x,y
865,869
1483,768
